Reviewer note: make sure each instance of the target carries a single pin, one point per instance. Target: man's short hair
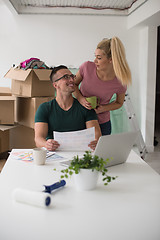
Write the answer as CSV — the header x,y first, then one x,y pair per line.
x,y
55,70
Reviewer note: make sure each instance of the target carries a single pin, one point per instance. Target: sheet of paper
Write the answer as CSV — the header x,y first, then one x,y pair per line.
x,y
27,155
54,157
23,155
75,141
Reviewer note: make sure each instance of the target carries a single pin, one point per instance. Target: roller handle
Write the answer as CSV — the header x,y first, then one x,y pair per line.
x,y
54,186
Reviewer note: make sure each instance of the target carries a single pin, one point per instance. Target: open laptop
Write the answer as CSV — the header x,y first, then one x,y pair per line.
x,y
116,147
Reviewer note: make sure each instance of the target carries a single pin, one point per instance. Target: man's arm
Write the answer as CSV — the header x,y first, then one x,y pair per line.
x,y
41,130
94,123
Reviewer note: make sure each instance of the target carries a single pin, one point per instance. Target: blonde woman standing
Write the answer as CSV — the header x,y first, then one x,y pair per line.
x,y
109,74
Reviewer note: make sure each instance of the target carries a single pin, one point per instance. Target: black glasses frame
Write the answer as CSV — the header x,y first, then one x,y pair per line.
x,y
66,76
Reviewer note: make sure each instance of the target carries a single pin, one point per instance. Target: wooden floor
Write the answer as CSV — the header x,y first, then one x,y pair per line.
x,y
2,163
3,159
153,158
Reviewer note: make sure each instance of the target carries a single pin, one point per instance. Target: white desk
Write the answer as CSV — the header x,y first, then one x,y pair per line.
x,y
127,209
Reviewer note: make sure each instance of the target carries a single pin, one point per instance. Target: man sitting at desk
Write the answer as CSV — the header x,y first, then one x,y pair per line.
x,y
64,113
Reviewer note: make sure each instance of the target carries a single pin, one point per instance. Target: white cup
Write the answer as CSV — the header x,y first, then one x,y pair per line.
x,y
39,156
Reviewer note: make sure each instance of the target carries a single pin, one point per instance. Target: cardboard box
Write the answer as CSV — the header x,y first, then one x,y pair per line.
x,y
5,91
31,82
21,137
7,105
4,138
26,109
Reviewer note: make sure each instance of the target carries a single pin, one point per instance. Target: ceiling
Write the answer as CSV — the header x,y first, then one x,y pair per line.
x,y
96,7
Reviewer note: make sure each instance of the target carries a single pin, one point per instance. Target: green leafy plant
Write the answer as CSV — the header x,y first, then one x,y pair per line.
x,y
88,161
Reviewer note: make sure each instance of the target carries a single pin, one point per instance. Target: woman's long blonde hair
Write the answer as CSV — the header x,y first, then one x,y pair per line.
x,y
114,49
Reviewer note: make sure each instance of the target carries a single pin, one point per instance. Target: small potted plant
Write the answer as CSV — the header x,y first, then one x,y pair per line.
x,y
86,171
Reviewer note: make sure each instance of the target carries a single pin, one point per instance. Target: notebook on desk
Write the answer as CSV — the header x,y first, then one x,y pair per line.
x,y
116,147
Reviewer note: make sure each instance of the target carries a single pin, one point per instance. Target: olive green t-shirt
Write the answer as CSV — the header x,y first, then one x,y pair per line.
x,y
64,121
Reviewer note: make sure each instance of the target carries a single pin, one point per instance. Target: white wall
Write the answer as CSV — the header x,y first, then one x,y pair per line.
x,y
146,19
147,14
55,39
71,40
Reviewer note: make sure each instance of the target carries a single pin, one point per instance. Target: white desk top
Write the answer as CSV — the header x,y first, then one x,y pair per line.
x,y
127,209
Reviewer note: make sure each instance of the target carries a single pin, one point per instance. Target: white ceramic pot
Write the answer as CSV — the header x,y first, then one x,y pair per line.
x,y
86,179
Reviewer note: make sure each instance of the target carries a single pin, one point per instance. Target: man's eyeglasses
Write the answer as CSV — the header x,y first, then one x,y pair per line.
x,y
66,77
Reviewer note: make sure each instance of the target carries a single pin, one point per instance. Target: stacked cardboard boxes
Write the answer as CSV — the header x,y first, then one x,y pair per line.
x,y
5,91
26,109
7,102
4,138
29,89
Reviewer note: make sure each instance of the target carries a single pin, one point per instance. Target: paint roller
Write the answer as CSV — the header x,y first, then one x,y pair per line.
x,y
39,199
